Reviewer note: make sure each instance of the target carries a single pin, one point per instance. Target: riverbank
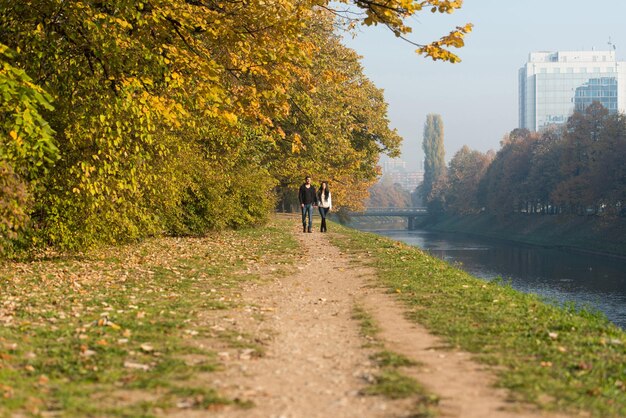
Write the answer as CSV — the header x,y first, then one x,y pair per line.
x,y
554,357
274,322
581,233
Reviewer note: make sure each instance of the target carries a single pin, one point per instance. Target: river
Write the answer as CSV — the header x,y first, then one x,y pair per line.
x,y
588,280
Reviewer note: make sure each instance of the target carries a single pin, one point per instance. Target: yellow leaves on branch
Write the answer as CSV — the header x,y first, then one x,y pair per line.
x,y
437,50
442,6
296,144
393,13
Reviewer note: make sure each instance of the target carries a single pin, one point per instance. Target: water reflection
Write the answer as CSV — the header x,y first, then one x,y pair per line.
x,y
589,280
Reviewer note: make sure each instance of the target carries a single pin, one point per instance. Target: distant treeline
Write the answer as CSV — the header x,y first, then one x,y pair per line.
x,y
579,168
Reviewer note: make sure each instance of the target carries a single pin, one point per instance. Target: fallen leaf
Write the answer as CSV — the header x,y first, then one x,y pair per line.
x,y
133,365
147,348
112,325
88,353
185,404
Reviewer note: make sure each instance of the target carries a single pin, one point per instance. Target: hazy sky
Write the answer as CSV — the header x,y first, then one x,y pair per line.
x,y
477,98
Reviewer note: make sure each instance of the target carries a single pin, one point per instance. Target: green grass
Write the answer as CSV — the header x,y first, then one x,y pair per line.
x,y
390,381
560,358
76,331
394,360
368,328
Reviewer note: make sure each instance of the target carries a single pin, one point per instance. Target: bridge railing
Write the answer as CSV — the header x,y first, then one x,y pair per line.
x,y
395,210
409,212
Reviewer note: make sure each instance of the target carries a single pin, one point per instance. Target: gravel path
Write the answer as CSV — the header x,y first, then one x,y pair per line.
x,y
316,363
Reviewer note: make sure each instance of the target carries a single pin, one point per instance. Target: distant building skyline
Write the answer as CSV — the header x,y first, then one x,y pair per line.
x,y
396,171
552,85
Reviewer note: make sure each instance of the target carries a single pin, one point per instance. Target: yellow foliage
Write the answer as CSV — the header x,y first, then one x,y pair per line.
x,y
147,93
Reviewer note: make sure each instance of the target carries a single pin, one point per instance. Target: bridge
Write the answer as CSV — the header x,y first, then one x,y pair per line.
x,y
412,214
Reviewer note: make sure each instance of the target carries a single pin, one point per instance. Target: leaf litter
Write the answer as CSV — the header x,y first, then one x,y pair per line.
x,y
121,318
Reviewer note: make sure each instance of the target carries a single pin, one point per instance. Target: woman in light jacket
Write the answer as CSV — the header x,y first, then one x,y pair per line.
x,y
324,202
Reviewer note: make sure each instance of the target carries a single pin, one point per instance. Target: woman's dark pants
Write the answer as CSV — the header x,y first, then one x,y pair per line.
x,y
323,213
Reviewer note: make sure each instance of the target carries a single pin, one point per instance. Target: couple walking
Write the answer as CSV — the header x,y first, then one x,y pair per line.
x,y
309,198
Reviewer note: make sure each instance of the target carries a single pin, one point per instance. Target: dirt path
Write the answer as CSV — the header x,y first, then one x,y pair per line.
x,y
315,363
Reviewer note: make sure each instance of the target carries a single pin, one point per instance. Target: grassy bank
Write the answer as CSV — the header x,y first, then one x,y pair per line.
x,y
589,233
558,358
120,332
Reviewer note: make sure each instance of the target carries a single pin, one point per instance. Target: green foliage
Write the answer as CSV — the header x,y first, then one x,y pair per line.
x,y
27,139
27,147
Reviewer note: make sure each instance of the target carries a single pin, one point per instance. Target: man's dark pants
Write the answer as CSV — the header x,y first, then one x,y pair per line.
x,y
307,210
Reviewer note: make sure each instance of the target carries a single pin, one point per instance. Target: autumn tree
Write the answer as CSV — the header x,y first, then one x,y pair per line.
x,y
503,189
387,194
583,130
464,173
574,169
591,175
544,172
179,116
607,171
343,111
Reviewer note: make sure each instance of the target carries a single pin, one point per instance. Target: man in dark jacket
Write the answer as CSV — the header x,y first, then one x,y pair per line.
x,y
307,198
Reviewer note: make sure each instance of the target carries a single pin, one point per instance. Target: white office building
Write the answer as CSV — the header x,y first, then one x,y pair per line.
x,y
552,85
